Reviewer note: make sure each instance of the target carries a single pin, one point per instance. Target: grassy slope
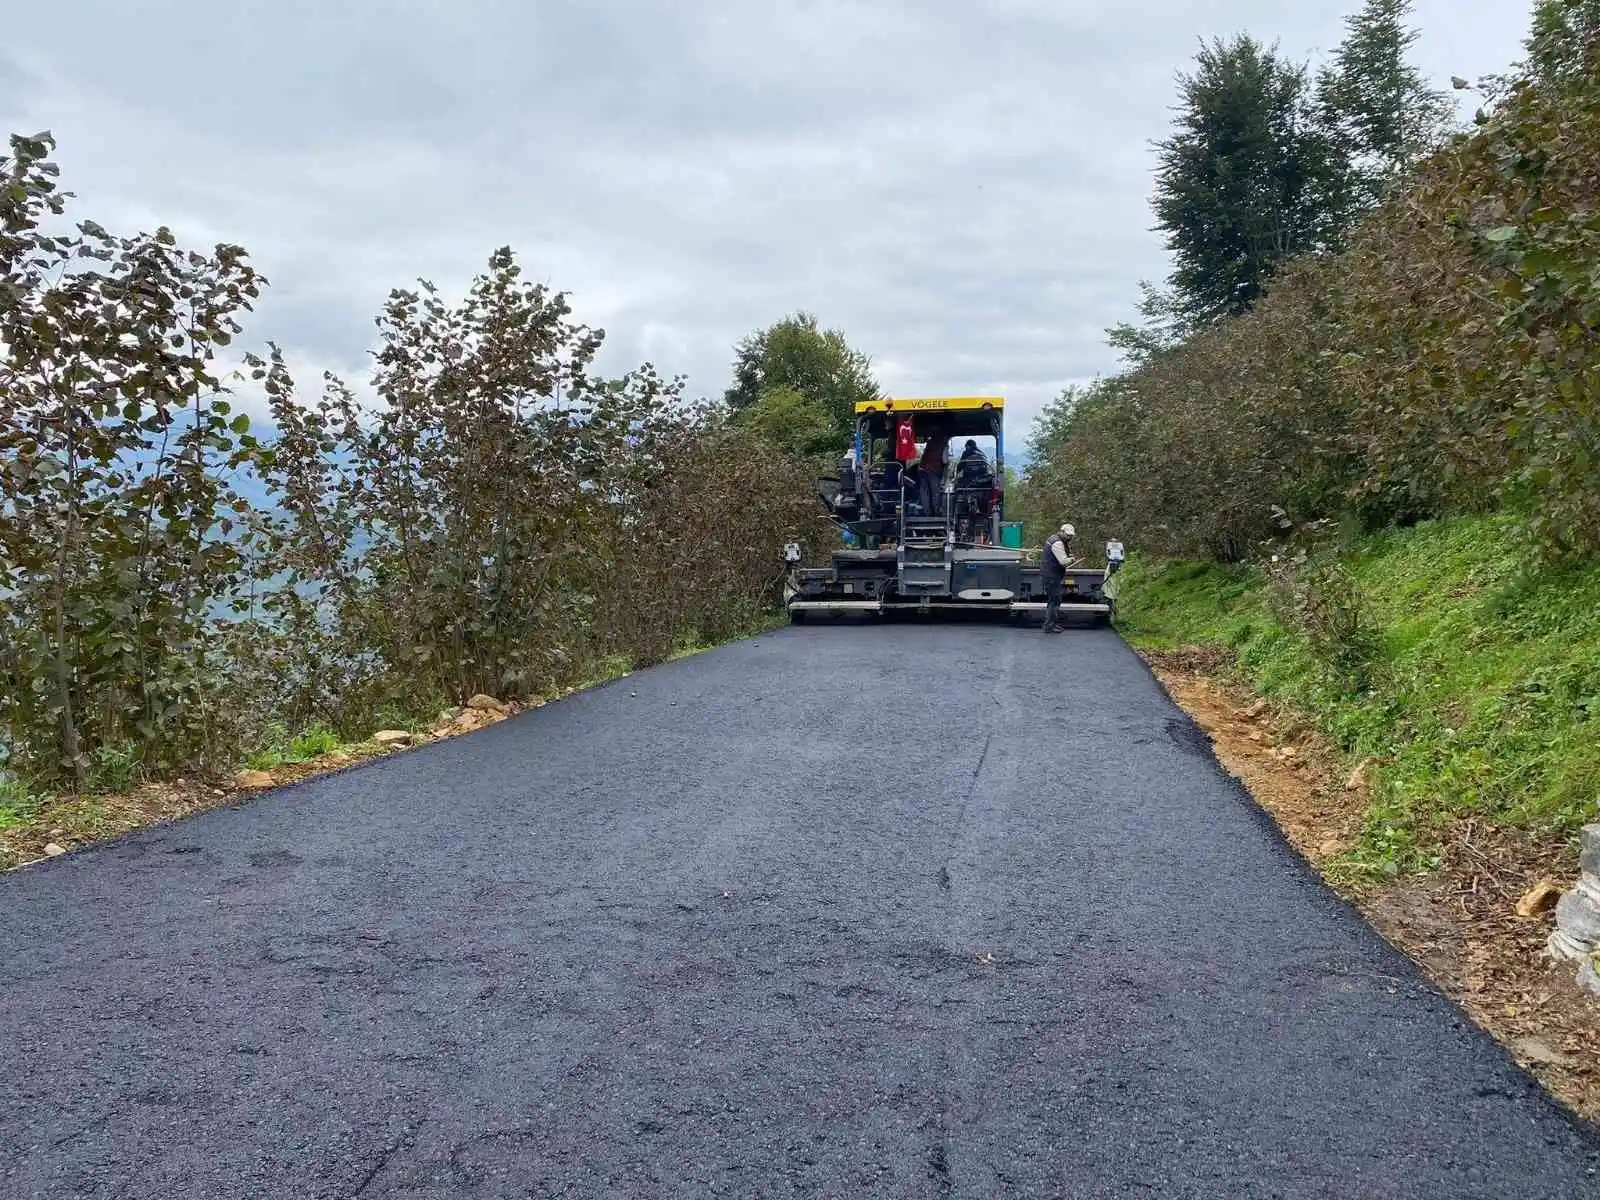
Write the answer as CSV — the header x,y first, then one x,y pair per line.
x,y
1485,697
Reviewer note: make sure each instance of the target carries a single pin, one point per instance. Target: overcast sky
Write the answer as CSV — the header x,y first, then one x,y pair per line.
x,y
962,187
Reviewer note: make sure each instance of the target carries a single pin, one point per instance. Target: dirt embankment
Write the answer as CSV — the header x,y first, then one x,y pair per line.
x,y
1460,922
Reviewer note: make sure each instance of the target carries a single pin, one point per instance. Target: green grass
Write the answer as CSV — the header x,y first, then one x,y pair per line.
x,y
17,805
689,644
612,666
281,748
113,769
1483,696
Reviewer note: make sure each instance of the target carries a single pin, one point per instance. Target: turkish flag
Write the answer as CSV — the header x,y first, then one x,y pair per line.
x,y
905,444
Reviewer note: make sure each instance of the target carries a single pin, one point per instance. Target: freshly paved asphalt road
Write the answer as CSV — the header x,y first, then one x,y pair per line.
x,y
843,911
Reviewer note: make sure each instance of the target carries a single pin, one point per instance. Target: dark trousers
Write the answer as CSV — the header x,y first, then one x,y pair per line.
x,y
1052,599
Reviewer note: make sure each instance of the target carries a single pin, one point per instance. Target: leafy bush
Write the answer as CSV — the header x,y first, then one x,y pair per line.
x,y
505,520
115,768
501,520
120,533
1445,362
1320,598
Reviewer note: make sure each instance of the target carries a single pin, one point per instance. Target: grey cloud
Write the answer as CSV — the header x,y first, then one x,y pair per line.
x,y
962,188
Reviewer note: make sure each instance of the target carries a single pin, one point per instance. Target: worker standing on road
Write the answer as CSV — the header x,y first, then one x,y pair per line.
x,y
1057,556
1114,556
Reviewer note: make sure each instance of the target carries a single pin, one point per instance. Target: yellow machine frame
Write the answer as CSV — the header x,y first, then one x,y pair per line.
x,y
931,404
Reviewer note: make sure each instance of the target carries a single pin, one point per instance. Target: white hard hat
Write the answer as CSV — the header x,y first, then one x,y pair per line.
x,y
1068,531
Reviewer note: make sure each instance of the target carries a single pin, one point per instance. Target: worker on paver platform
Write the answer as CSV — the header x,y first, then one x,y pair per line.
x,y
932,475
911,485
1114,556
1056,558
972,461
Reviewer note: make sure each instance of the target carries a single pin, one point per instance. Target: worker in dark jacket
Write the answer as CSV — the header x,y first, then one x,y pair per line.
x,y
1057,556
972,463
931,474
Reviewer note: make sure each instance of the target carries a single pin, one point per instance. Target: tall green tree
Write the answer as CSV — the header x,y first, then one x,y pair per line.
x,y
1564,44
785,418
1377,107
1054,423
798,384
1161,329
1242,182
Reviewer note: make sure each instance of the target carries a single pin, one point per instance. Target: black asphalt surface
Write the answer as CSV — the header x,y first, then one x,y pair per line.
x,y
905,911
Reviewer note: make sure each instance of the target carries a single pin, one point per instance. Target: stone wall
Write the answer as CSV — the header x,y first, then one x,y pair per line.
x,y
1577,933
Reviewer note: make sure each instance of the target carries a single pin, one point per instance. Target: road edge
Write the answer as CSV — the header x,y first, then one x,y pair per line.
x,y
1570,1081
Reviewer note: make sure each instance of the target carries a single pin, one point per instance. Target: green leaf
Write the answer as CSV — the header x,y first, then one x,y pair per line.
x,y
1540,262
241,424
1501,235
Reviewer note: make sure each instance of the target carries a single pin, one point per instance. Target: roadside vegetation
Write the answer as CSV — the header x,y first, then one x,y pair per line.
x,y
185,590
796,385
1366,459
1476,692
1432,354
